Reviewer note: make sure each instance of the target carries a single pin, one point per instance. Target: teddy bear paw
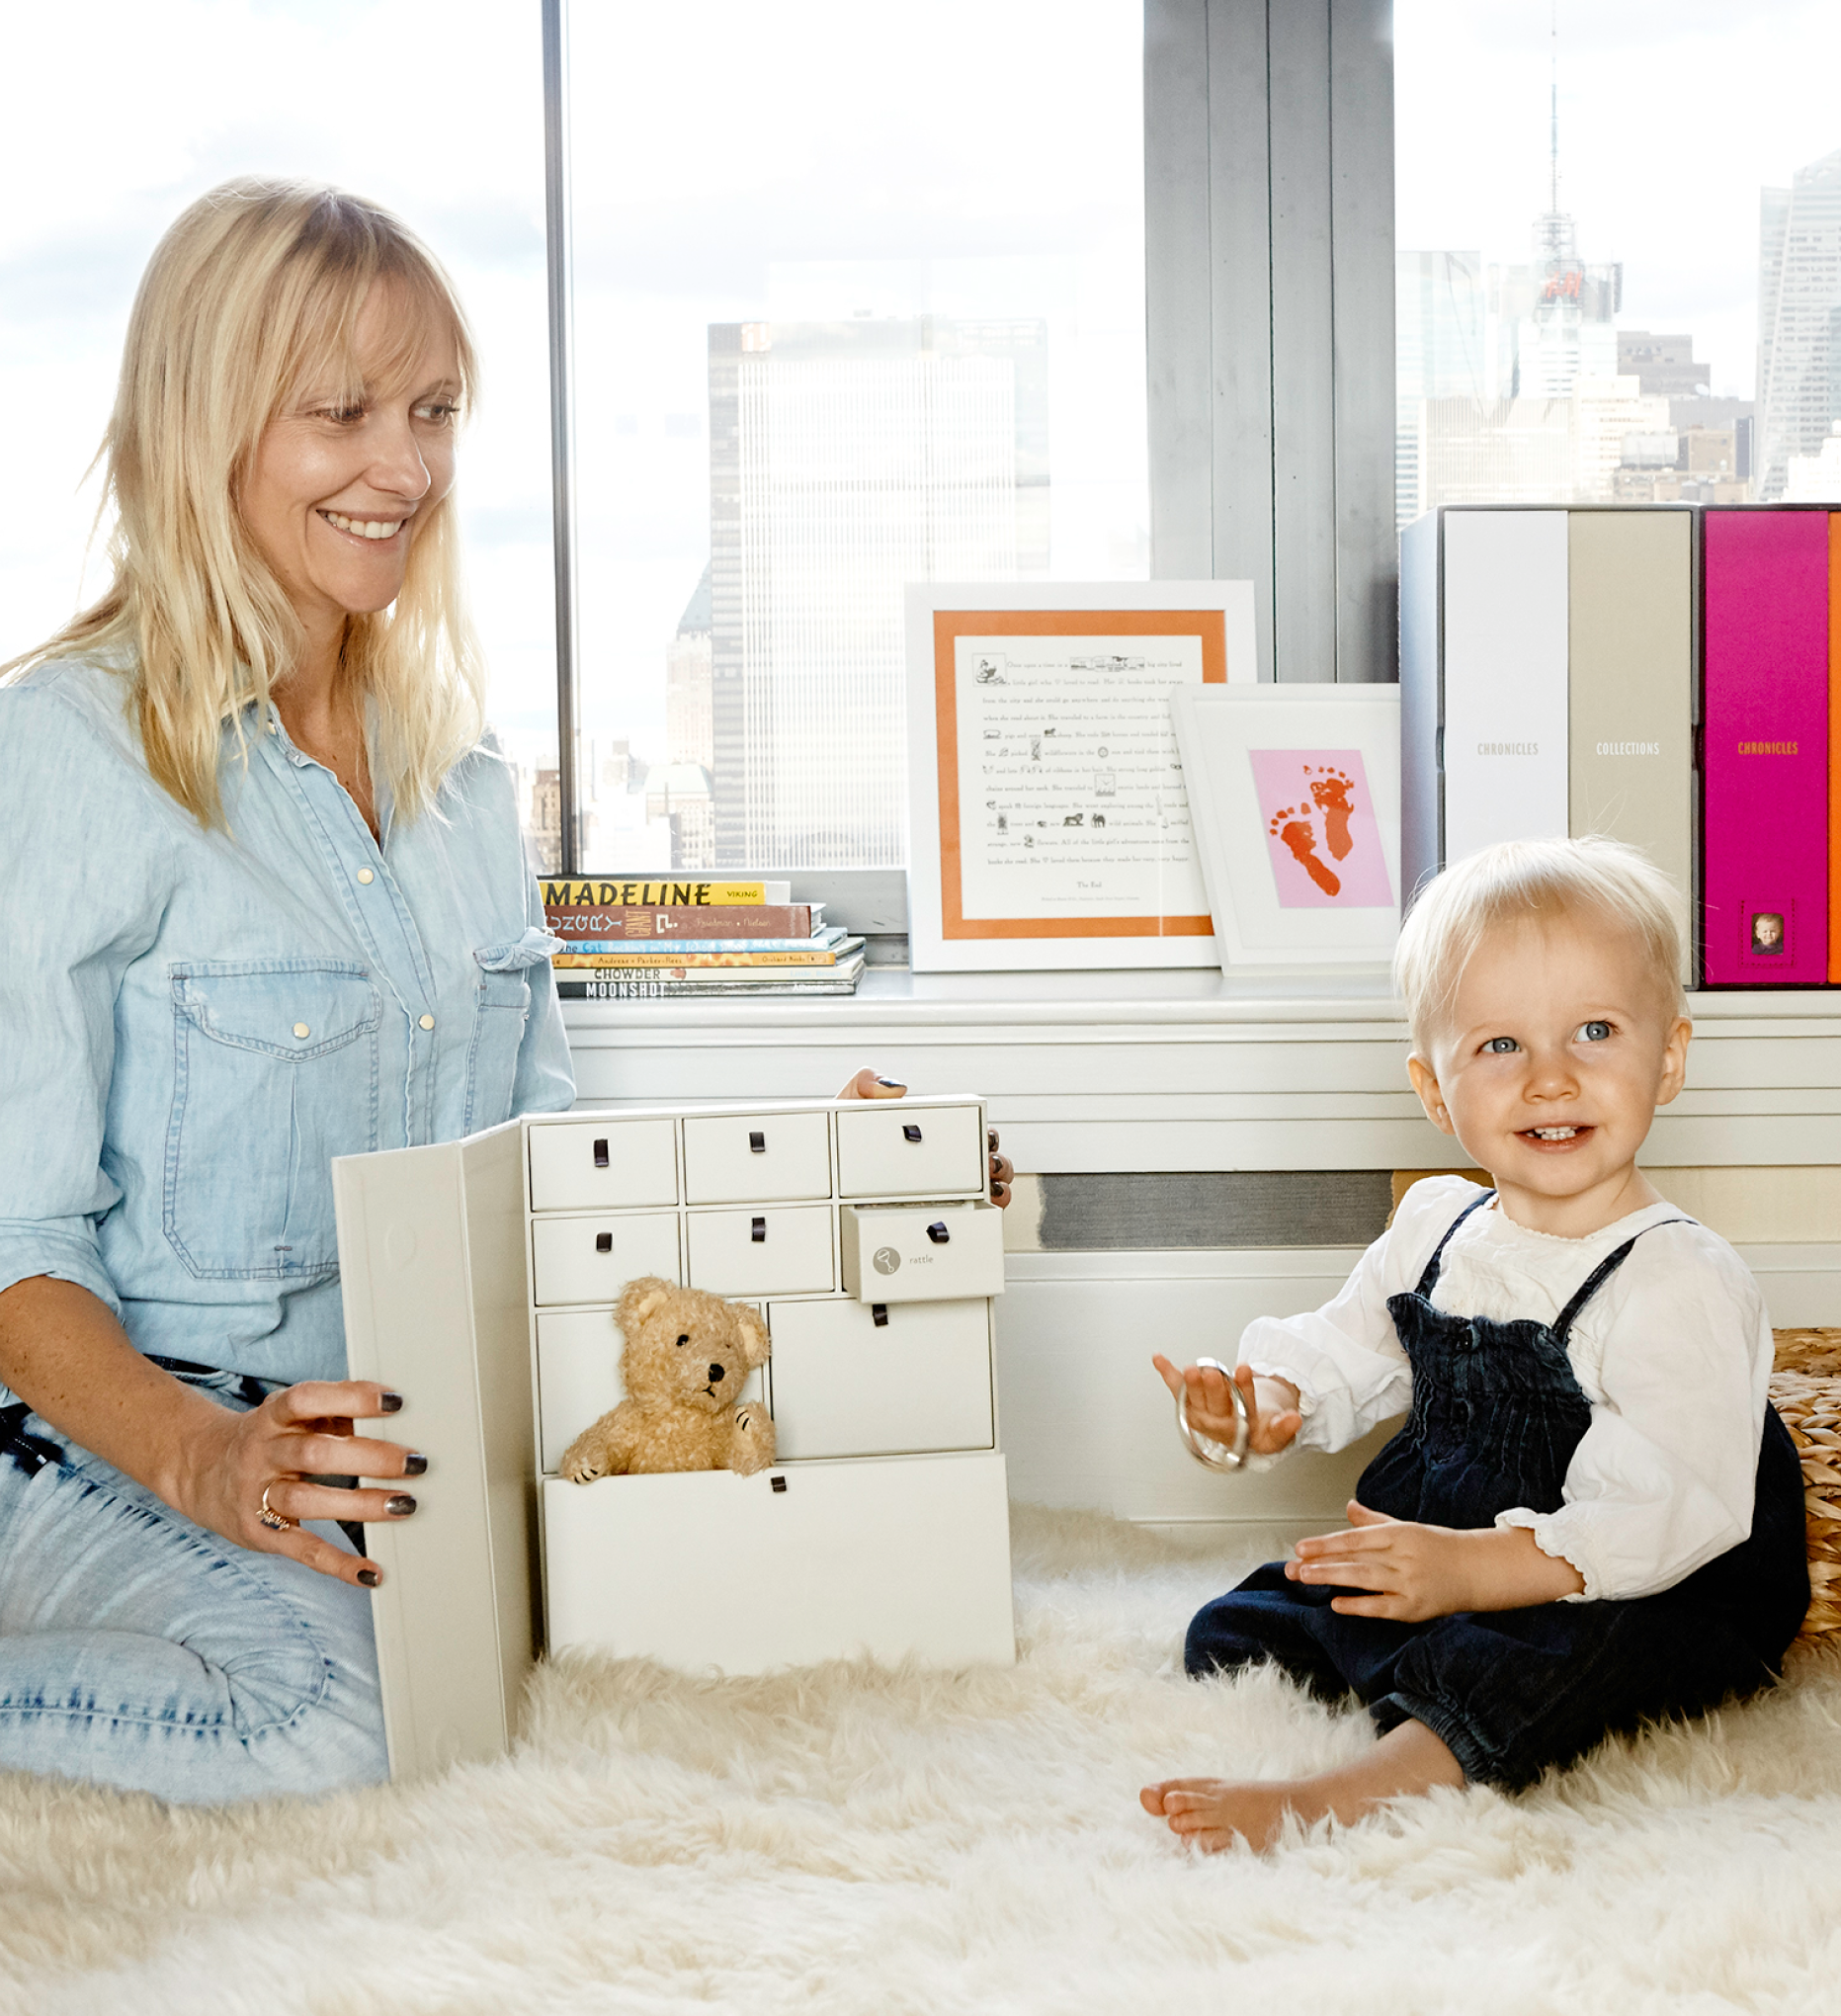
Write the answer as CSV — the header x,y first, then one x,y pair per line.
x,y
582,1467
753,1445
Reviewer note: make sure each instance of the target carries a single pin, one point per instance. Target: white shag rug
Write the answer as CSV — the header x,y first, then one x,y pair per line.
x,y
851,1838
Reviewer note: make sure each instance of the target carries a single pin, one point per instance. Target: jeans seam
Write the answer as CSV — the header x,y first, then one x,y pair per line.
x,y
216,1559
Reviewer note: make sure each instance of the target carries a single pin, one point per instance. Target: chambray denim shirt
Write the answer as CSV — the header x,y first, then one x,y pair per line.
x,y
192,1024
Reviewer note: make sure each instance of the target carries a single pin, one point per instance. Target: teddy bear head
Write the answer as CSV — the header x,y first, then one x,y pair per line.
x,y
687,1347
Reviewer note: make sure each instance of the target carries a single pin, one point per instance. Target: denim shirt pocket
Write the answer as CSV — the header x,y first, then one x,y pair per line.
x,y
275,1065
503,996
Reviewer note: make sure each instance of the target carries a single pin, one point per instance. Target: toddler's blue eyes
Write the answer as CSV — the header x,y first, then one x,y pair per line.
x,y
1501,1045
1594,1032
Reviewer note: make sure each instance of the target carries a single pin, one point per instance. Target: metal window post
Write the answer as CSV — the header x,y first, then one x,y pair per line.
x,y
561,416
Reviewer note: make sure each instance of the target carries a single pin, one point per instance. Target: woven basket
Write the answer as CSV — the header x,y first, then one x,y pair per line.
x,y
1806,1388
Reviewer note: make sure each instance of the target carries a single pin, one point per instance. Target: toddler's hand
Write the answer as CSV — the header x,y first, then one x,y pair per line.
x,y
1412,1571
1271,1416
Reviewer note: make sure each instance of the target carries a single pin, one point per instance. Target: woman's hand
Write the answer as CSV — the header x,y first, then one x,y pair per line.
x,y
866,1085
1413,1572
296,1435
1271,1416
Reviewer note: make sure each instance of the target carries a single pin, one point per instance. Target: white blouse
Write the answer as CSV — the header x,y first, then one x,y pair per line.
x,y
1674,1352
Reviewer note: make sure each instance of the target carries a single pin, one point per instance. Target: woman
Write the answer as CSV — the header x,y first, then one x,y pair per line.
x,y
267,905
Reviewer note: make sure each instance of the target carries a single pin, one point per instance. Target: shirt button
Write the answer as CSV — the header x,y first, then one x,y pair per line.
x,y
428,1022
302,1029
365,875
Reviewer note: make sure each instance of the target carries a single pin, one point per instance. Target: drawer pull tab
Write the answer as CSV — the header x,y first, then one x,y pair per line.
x,y
938,1232
601,1154
758,1231
878,1314
604,1242
776,1483
757,1144
910,1133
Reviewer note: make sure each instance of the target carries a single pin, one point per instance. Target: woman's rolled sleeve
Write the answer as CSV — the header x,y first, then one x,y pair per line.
x,y
82,877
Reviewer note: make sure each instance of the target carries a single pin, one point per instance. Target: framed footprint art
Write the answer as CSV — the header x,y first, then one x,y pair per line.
x,y
1295,792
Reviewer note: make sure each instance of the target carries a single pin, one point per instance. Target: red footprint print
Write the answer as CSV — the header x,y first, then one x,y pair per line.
x,y
1330,793
1296,834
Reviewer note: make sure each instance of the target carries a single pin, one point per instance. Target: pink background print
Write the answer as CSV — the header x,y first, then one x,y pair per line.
x,y
1321,834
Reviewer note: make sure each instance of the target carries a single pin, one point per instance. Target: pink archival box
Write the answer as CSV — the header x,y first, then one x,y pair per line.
x,y
1765,748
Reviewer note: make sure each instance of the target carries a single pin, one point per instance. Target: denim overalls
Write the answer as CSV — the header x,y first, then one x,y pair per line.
x,y
1496,1415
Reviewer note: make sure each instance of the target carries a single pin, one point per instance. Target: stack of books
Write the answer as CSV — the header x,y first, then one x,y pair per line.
x,y
627,937
1665,675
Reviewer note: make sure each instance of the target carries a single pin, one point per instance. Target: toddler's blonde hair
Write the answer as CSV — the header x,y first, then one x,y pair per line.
x,y
253,294
1535,882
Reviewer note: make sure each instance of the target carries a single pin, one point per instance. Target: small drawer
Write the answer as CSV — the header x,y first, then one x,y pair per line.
x,y
778,1250
735,1158
922,1252
578,1375
892,1149
846,1384
603,1164
591,1259
903,1559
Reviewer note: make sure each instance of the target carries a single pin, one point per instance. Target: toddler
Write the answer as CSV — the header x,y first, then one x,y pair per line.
x,y
1592,1516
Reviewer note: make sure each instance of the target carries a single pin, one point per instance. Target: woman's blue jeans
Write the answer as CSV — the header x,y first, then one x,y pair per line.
x,y
139,1650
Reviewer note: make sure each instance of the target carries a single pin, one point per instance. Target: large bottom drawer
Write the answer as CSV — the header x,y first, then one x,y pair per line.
x,y
903,1558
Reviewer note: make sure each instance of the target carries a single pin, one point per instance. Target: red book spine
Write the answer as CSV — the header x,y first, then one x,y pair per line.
x,y
1765,748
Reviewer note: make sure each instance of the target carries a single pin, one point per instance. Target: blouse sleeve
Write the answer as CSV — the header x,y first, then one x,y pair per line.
x,y
1345,1359
83,875
1662,1481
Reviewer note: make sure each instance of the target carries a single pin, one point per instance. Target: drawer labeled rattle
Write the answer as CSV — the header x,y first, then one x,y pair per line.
x,y
922,1252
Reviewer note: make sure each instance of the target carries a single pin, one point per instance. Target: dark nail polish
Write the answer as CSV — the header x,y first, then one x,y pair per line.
x,y
391,1404
400,1505
893,1084
414,1465
370,1577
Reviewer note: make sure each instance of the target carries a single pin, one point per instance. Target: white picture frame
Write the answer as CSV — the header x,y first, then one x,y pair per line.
x,y
1076,659
1295,792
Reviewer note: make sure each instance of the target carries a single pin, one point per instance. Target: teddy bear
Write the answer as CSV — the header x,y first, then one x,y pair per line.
x,y
686,1355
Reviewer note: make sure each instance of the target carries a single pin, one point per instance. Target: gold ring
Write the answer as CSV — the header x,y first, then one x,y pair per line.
x,y
268,1516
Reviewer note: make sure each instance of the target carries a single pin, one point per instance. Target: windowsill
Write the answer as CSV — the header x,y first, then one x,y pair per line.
x,y
893,996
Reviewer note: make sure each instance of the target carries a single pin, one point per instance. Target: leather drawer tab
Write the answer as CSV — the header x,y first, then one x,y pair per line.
x,y
938,1232
757,1142
757,1231
910,1133
604,1242
601,1153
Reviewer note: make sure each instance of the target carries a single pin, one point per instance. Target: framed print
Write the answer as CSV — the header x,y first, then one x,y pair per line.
x,y
1047,820
1295,792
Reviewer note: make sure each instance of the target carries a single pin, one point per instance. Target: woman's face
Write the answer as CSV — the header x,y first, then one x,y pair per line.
x,y
338,493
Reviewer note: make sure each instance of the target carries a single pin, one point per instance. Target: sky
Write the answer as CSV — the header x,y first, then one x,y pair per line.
x,y
738,160
1672,116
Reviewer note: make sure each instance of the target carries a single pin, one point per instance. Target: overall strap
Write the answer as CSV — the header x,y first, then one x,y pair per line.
x,y
1606,1268
1428,1280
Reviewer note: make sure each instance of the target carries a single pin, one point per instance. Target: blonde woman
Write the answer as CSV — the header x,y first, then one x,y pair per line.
x,y
265,906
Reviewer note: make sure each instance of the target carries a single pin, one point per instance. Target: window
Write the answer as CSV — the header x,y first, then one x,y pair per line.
x,y
1631,290
858,300
437,112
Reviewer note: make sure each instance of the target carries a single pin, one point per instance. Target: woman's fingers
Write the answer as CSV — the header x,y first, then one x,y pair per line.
x,y
331,1399
311,1551
352,1456
867,1084
300,1500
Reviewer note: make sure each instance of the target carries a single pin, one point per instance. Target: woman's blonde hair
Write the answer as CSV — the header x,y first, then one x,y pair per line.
x,y
250,299
1533,881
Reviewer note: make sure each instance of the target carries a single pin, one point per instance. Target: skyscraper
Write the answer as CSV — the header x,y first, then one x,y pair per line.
x,y
1439,352
847,460
1799,291
688,682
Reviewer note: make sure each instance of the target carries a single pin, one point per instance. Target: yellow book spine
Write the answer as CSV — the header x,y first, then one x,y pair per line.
x,y
603,892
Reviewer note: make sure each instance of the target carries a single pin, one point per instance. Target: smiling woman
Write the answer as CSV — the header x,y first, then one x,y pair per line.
x,y
269,906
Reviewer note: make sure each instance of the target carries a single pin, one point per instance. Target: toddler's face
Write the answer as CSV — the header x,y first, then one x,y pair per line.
x,y
1558,1050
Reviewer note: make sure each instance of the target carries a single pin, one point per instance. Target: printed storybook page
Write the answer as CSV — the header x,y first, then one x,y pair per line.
x,y
1322,837
1070,789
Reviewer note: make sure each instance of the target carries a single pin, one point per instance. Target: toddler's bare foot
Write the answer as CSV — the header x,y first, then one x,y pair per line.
x,y
1209,1812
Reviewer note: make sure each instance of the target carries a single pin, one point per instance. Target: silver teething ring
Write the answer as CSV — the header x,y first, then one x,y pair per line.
x,y
272,1519
1213,1455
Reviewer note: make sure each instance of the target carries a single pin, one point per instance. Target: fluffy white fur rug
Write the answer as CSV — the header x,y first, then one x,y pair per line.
x,y
856,1840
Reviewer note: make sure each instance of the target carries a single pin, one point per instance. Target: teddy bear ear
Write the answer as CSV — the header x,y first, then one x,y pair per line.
x,y
754,1339
641,1298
